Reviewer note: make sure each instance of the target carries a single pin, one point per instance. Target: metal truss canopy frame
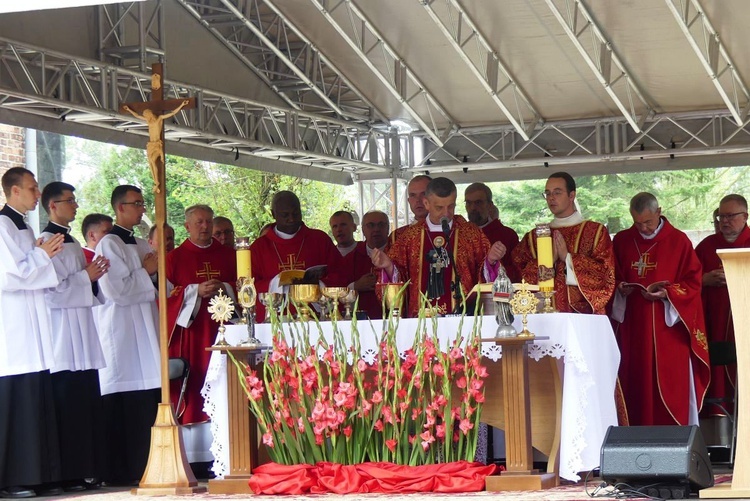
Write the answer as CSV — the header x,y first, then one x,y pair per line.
x,y
62,87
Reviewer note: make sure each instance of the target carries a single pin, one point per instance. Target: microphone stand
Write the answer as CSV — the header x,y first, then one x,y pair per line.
x,y
455,284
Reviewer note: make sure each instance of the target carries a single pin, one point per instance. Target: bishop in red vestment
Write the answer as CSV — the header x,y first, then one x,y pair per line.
x,y
733,234
478,202
424,252
584,262
291,245
662,334
198,269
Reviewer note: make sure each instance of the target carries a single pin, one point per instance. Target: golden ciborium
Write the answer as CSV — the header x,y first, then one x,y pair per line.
x,y
393,295
303,295
335,294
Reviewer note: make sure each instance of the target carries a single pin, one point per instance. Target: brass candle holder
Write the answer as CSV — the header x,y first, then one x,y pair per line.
x,y
524,302
221,308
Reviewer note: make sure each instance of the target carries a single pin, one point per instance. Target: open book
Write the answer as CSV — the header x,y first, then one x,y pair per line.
x,y
653,287
309,276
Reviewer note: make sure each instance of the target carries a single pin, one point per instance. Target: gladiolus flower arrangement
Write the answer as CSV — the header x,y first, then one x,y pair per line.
x,y
319,401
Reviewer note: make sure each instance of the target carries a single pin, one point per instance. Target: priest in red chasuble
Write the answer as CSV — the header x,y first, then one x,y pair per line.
x,y
478,202
733,234
290,245
440,251
198,269
583,259
664,368
358,263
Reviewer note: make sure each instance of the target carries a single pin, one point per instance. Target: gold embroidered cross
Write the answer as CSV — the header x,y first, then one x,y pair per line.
x,y
292,264
207,273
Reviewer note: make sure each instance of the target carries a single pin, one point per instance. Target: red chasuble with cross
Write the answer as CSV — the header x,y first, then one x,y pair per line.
x,y
467,244
272,254
656,358
186,265
719,325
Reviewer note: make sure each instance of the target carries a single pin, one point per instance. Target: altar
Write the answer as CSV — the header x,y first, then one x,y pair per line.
x,y
573,373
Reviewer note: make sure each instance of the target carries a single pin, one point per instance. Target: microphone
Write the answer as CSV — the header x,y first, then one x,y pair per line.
x,y
444,222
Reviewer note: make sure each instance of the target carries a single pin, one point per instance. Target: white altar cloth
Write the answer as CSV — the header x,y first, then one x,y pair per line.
x,y
586,343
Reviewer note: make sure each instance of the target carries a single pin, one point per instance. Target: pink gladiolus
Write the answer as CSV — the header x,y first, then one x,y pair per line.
x,y
438,370
455,353
441,400
318,439
427,439
366,407
378,425
348,431
256,394
391,444
479,397
401,393
268,439
388,415
430,421
318,411
465,425
440,431
301,424
339,399
276,356
361,365
481,371
377,397
417,380
429,349
461,383
457,367
476,384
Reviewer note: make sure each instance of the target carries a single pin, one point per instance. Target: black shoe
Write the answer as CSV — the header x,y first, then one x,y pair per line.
x,y
92,483
49,490
74,486
17,492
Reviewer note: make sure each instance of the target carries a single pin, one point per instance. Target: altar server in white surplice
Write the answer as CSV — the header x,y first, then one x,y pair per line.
x,y
128,322
29,453
78,353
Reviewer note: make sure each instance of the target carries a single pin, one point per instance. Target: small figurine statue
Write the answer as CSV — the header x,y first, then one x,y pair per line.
x,y
502,289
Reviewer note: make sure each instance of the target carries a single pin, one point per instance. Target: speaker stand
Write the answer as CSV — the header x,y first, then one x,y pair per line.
x,y
519,474
737,269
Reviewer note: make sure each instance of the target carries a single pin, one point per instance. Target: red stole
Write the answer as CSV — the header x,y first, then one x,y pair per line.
x,y
495,231
654,357
189,264
357,263
719,325
88,254
593,261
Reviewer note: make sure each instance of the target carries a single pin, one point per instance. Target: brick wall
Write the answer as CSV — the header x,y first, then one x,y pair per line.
x,y
12,150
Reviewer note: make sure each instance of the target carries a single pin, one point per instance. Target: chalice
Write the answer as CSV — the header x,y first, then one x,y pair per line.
x,y
335,294
272,301
348,300
303,295
393,295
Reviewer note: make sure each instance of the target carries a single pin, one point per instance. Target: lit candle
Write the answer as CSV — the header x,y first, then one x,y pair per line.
x,y
242,246
544,255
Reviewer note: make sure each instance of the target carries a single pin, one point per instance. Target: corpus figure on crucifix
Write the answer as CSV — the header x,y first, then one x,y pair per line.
x,y
664,368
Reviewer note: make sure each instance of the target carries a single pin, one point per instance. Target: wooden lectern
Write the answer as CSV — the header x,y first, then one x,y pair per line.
x,y
737,269
243,428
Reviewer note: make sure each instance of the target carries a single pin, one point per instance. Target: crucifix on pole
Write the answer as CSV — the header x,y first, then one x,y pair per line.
x,y
167,471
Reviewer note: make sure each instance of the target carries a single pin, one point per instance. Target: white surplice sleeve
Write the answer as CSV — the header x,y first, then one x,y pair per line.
x,y
74,287
127,282
22,269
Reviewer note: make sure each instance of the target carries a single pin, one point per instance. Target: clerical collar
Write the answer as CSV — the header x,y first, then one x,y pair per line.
x,y
346,250
125,234
489,220
656,232
202,246
370,251
285,236
15,216
55,228
564,222
437,227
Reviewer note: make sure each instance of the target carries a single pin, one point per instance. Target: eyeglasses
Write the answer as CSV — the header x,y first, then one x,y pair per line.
x,y
66,201
727,217
138,203
554,193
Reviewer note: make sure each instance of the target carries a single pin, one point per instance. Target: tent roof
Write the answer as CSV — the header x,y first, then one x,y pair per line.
x,y
477,89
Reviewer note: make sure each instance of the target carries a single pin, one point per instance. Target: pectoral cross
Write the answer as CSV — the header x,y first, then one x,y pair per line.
x,y
643,265
207,273
293,264
437,265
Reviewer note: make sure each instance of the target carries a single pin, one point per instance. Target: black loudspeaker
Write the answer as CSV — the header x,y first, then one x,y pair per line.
x,y
648,456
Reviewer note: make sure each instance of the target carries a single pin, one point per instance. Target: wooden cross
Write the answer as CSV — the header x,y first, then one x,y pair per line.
x,y
153,113
208,273
643,265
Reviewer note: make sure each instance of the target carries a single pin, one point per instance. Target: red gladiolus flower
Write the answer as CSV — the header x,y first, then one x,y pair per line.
x,y
440,431
378,425
455,353
348,431
361,365
377,397
438,370
427,439
461,383
465,425
268,439
391,444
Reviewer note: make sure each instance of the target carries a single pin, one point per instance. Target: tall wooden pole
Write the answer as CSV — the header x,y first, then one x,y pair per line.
x,y
168,471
